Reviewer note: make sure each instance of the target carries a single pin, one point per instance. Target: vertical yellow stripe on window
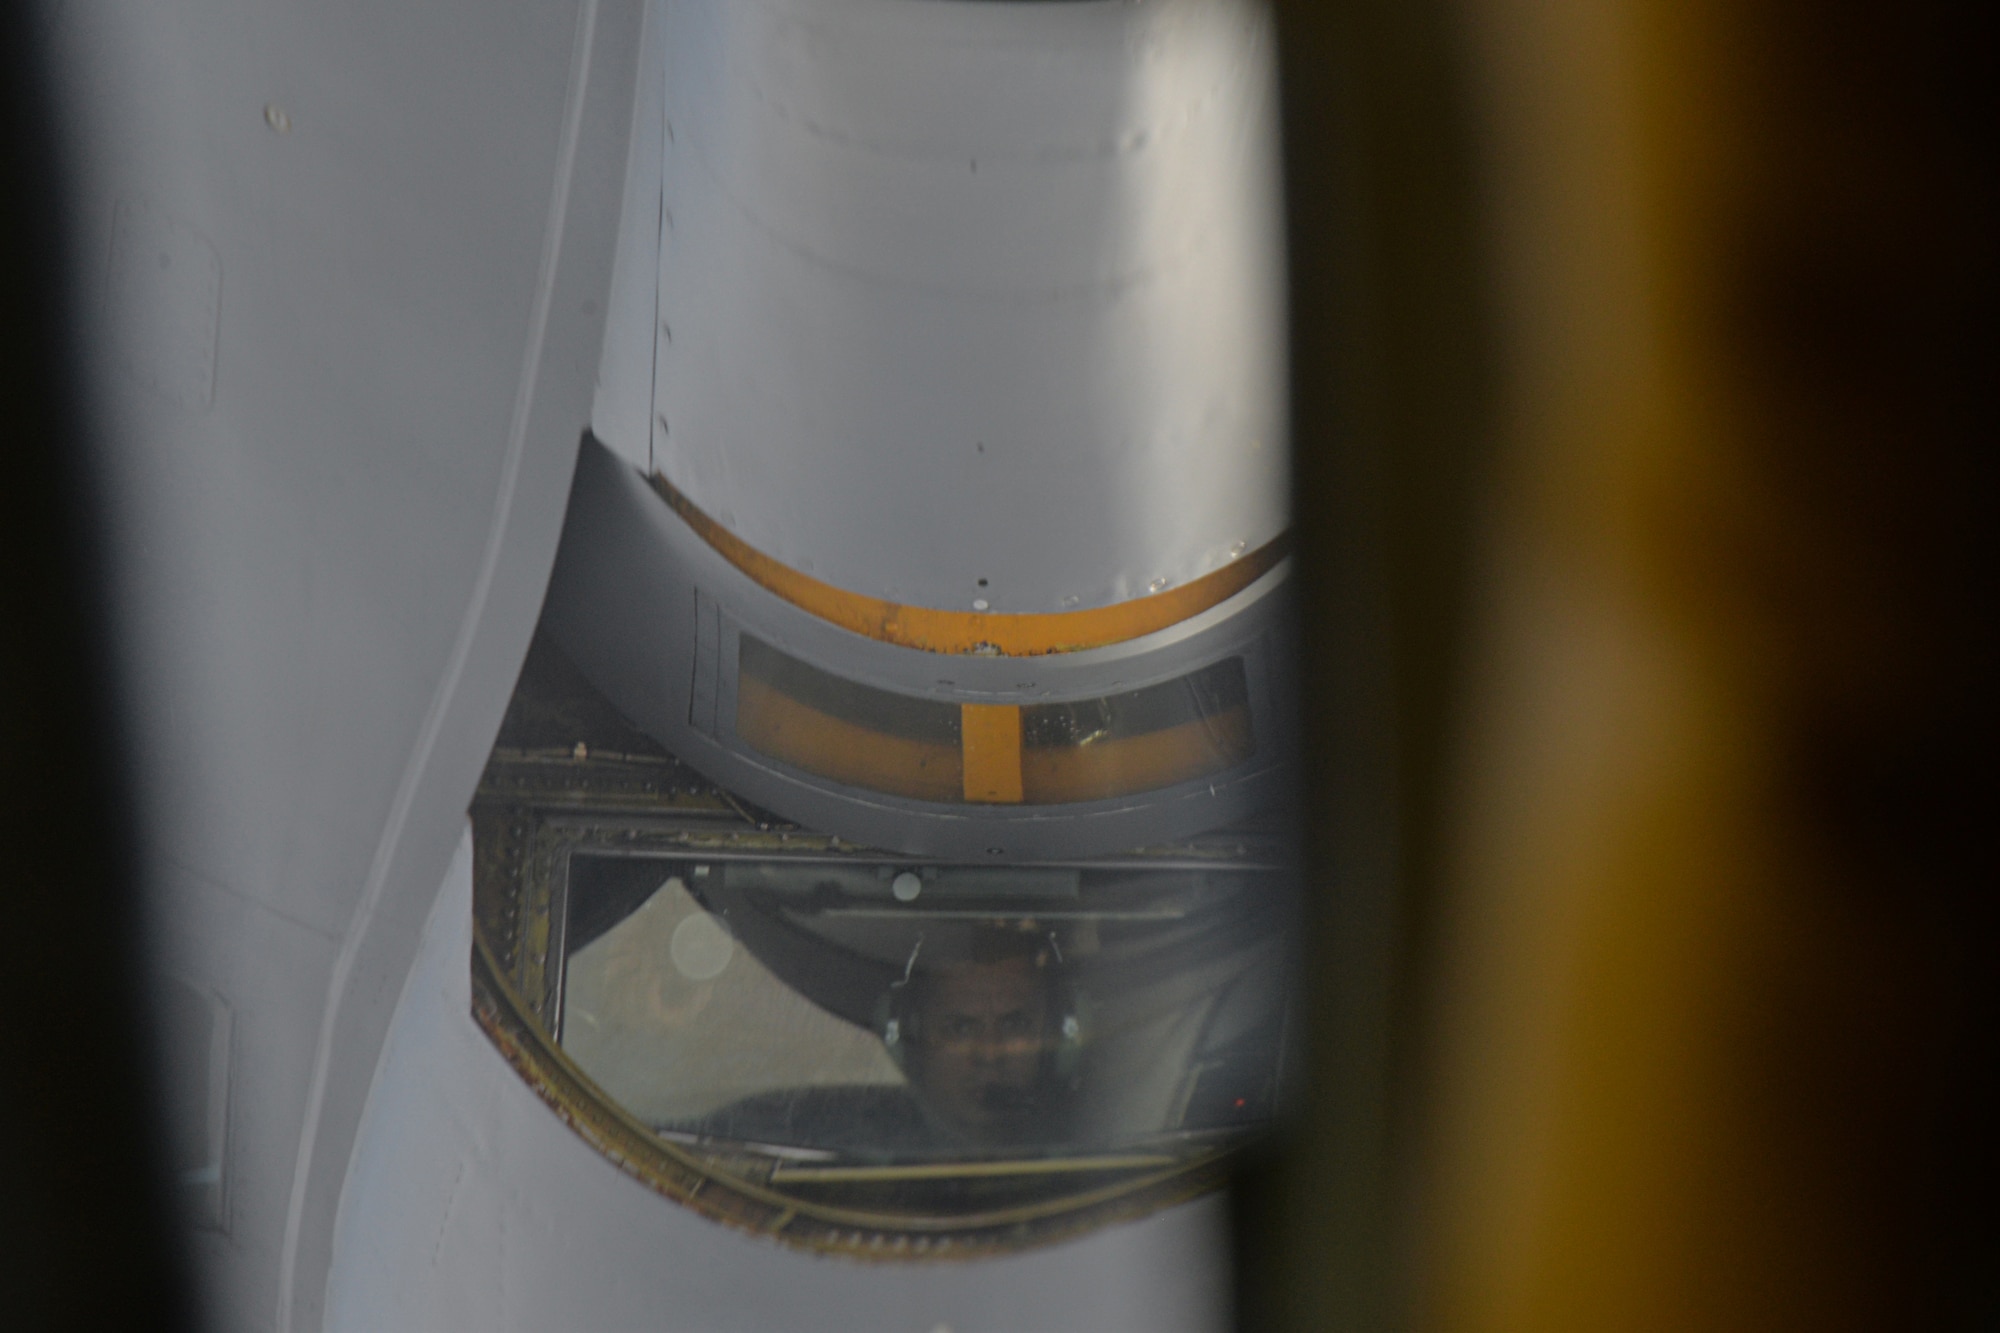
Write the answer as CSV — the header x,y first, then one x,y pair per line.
x,y
991,735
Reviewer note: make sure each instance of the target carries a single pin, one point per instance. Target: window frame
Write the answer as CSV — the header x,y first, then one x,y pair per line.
x,y
534,810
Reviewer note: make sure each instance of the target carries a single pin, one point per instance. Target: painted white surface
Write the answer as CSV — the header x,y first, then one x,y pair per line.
x,y
335,464
967,291
470,1206
621,415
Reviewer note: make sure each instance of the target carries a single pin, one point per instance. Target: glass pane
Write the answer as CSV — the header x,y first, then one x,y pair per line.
x,y
676,1022
896,1022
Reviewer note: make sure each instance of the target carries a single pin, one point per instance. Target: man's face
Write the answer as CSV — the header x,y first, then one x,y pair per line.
x,y
985,1030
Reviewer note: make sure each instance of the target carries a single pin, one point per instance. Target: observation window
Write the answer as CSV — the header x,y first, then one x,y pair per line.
x,y
859,1050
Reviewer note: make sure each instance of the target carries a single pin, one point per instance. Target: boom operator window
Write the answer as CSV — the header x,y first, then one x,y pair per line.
x,y
857,1050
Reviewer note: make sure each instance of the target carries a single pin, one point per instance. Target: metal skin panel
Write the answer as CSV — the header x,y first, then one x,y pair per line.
x,y
335,434
622,408
631,599
970,301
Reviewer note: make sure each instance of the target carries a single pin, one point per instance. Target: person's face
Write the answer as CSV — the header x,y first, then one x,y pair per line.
x,y
985,1029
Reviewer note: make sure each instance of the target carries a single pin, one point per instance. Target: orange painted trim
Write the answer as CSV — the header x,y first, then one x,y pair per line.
x,y
994,633
991,737
771,722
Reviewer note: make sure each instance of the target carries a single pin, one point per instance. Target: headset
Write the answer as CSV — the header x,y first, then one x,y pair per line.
x,y
899,1019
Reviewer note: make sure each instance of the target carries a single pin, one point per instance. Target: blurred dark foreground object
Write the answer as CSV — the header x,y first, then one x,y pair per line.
x,y
1645,378
86,1240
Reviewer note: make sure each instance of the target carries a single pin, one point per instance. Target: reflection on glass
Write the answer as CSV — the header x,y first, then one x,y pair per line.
x,y
1137,741
676,1022
848,1018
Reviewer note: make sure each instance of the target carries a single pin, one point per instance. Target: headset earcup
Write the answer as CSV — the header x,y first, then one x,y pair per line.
x,y
895,1027
1072,1030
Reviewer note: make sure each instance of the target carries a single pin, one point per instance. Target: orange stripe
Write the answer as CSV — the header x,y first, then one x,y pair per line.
x,y
991,737
970,631
771,722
